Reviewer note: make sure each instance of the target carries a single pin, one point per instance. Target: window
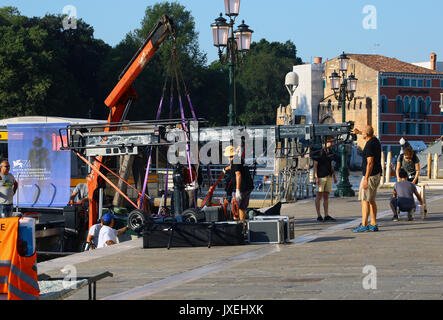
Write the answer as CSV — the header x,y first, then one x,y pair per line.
x,y
406,82
413,83
428,130
441,83
407,106
399,105
410,128
399,82
428,105
421,105
421,129
384,105
428,83
385,82
413,106
420,83
384,128
441,129
400,128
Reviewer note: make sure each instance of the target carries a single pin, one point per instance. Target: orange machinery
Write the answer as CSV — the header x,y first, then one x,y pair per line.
x,y
122,96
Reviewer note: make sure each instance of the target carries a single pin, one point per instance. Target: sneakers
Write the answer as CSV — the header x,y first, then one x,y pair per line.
x,y
326,219
370,228
361,228
395,218
410,216
329,218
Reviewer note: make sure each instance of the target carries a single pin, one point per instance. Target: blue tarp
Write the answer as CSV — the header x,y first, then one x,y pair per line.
x,y
42,170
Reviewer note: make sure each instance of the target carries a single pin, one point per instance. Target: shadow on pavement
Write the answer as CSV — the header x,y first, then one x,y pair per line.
x,y
324,239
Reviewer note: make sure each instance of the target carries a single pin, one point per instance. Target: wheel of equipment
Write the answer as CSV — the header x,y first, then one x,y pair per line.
x,y
250,214
235,213
136,220
189,216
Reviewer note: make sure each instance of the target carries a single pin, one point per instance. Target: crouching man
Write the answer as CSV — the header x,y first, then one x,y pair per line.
x,y
108,235
403,197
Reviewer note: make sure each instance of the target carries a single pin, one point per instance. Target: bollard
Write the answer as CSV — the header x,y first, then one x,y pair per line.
x,y
383,168
272,190
429,165
435,167
388,167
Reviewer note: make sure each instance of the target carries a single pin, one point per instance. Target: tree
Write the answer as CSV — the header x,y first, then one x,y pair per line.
x,y
150,83
23,87
46,70
260,81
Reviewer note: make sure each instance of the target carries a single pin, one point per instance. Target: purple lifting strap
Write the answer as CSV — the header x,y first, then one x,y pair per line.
x,y
192,108
145,182
171,102
186,137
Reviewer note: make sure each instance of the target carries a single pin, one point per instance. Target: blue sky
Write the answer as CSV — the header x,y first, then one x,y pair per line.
x,y
408,30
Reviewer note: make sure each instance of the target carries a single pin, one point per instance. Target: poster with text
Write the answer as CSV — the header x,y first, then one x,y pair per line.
x,y
42,170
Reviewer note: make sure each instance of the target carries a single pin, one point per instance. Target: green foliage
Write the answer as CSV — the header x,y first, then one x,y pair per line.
x,y
260,81
46,70
149,83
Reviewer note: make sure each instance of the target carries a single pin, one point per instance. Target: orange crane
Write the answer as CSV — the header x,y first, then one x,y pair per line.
x,y
123,95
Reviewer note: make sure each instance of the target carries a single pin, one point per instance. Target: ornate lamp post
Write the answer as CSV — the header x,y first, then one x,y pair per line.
x,y
344,89
237,43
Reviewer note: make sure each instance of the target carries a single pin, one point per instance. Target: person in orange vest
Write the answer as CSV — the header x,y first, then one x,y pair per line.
x,y
18,268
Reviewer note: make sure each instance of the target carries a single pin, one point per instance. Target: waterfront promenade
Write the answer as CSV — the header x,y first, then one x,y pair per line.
x,y
404,260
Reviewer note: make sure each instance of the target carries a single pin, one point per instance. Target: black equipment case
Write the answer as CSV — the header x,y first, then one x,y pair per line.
x,y
202,234
72,217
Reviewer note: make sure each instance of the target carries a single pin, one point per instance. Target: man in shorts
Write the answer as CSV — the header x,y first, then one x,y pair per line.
x,y
241,182
324,173
371,171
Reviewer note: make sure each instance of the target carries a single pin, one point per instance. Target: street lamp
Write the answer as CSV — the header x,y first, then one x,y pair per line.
x,y
237,43
344,89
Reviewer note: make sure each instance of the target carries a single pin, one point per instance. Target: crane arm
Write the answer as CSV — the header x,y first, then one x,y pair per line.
x,y
139,60
122,96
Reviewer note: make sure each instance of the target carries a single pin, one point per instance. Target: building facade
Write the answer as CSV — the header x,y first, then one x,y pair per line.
x,y
396,98
309,93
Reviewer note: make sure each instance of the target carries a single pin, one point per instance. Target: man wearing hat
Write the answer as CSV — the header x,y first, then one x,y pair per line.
x,y
108,235
241,182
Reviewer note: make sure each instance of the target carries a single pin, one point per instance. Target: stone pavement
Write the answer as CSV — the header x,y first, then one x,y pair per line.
x,y
325,261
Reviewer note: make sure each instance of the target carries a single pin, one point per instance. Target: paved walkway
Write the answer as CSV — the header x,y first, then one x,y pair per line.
x,y
325,261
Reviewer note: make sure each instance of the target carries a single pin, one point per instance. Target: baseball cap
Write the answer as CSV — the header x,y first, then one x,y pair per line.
x,y
107,217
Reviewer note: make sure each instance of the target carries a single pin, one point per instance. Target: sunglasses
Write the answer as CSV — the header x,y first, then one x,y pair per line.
x,y
6,166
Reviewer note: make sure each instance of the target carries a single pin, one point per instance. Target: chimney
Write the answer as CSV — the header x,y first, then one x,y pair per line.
x,y
318,60
433,61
